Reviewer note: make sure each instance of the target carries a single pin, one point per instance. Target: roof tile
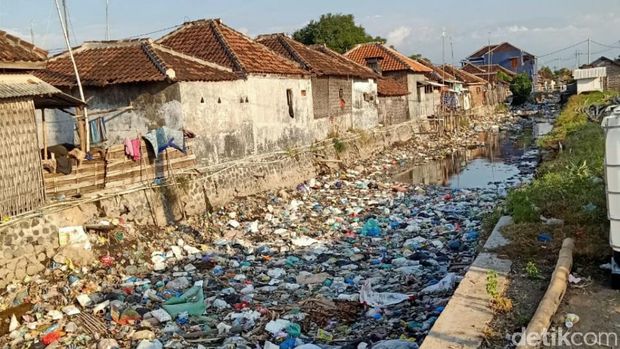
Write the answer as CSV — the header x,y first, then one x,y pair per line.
x,y
387,87
117,62
392,60
16,50
213,41
318,60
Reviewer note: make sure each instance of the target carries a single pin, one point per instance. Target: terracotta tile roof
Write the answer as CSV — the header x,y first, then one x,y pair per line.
x,y
392,60
464,76
130,61
314,59
213,41
16,53
387,87
472,69
487,72
437,73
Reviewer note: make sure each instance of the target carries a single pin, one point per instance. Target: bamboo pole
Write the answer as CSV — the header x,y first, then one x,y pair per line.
x,y
551,300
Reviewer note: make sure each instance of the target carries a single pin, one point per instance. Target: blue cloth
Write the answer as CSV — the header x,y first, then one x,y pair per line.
x,y
162,138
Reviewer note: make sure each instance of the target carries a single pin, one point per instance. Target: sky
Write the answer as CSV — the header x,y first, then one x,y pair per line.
x,y
537,26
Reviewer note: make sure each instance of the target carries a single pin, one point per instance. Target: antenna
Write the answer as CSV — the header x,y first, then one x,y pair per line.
x,y
451,52
31,33
107,20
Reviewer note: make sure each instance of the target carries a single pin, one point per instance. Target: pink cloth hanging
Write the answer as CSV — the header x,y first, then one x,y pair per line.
x,y
132,148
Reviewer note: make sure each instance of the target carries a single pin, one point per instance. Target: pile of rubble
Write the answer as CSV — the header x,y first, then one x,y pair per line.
x,y
345,260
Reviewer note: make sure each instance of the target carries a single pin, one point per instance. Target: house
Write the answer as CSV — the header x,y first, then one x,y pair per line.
x,y
132,86
392,64
497,89
474,86
448,95
393,103
612,68
506,55
344,93
267,108
590,79
21,175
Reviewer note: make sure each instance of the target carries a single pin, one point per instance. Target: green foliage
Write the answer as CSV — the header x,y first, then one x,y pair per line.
x,y
338,31
492,284
418,56
503,76
532,270
564,74
570,186
546,73
339,145
521,87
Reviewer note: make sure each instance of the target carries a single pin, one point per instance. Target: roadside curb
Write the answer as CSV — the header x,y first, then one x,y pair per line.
x,y
462,323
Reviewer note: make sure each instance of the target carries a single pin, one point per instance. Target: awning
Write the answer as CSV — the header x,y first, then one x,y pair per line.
x,y
43,94
431,83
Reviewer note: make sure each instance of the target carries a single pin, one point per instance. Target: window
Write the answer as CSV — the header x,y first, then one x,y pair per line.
x,y
289,101
340,94
341,97
514,63
303,93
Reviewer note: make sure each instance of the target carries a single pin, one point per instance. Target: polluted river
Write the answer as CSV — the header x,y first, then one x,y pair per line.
x,y
365,257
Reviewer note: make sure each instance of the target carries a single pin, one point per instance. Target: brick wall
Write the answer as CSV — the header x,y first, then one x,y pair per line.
x,y
393,110
327,92
613,77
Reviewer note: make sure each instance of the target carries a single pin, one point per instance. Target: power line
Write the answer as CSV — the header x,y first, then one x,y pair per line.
x,y
604,45
154,32
562,49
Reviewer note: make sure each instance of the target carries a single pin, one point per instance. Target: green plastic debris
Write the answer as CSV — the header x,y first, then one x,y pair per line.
x,y
192,301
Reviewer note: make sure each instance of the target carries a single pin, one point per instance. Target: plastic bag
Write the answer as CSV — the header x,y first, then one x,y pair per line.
x,y
371,228
380,299
444,285
192,302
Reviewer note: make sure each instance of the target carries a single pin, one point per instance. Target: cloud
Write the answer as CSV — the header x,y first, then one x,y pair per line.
x,y
398,35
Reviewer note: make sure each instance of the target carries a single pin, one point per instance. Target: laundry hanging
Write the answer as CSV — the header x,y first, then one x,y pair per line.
x,y
132,148
164,137
97,130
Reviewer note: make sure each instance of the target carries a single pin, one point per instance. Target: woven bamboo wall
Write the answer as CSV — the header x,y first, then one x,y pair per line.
x,y
117,170
21,182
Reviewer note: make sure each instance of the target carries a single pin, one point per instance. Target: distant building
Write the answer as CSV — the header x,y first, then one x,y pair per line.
x,y
506,55
612,68
590,79
392,64
344,93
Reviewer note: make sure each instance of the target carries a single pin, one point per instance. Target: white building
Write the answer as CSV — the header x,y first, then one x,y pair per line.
x,y
590,79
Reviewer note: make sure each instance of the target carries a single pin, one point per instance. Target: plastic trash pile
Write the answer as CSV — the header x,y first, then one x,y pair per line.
x,y
345,260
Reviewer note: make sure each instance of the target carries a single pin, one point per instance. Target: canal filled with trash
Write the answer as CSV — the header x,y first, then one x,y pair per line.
x,y
346,258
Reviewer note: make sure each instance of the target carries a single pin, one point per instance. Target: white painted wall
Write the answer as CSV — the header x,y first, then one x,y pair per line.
x,y
228,127
590,84
365,113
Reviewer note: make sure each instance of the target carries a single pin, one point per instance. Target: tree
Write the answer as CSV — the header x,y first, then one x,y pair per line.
x,y
419,57
521,87
546,73
564,74
504,77
338,31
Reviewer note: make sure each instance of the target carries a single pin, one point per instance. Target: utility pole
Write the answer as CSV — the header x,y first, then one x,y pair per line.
x,y
451,52
588,50
577,53
489,60
86,133
65,19
107,20
443,53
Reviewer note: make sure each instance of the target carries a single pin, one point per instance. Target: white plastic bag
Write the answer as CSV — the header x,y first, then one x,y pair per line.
x,y
380,299
444,285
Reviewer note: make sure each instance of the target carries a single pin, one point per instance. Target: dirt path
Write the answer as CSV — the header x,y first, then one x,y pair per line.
x,y
598,307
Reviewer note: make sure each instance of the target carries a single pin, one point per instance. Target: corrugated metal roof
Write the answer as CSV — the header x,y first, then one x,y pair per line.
x,y
23,85
589,73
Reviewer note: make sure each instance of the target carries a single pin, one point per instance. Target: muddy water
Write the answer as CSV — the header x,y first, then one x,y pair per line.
x,y
494,162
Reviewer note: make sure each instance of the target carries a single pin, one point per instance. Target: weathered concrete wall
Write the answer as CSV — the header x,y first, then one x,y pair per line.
x,y
234,119
154,105
365,104
393,110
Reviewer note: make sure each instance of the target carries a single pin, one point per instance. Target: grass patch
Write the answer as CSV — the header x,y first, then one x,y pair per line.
x,y
339,145
570,186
